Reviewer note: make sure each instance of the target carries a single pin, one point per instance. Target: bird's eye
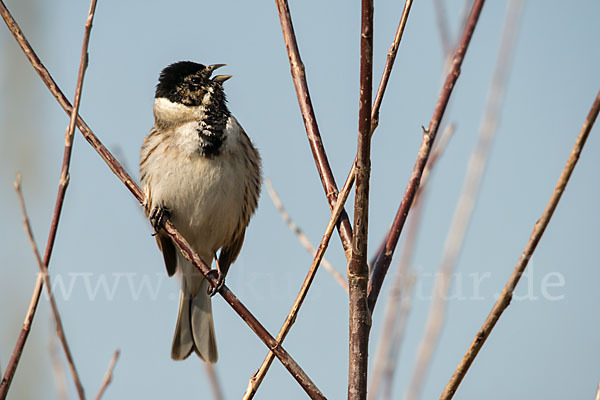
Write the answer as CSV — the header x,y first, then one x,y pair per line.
x,y
196,80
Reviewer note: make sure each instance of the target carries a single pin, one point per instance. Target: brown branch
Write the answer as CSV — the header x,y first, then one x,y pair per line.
x,y
310,122
181,243
62,188
538,230
598,392
382,264
259,375
44,273
389,64
358,270
301,236
109,374
466,202
214,381
392,331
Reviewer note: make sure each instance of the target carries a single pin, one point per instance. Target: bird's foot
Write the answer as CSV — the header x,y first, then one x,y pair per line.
x,y
219,276
158,217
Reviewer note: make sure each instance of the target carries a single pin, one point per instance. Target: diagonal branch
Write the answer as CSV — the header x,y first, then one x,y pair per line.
x,y
60,378
466,202
301,236
179,240
398,301
60,332
389,64
382,263
538,230
60,197
109,375
215,385
310,122
259,375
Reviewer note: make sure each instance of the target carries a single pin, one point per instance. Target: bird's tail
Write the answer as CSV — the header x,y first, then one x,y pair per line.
x,y
195,328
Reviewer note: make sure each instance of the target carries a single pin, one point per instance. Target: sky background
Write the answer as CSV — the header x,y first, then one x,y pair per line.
x,y
546,343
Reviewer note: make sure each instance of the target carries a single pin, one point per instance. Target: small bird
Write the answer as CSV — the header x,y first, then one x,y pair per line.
x,y
200,170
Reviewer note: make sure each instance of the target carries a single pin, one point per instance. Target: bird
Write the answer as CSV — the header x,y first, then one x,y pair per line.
x,y
200,170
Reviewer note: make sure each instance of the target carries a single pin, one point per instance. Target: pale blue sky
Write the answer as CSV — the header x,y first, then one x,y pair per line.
x,y
541,348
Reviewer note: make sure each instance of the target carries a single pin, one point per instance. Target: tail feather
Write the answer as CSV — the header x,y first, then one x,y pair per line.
x,y
195,328
203,328
183,341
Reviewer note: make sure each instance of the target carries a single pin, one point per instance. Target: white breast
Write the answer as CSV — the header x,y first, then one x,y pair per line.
x,y
205,195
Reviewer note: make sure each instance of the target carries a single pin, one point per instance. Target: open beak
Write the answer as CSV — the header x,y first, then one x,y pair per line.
x,y
221,78
218,78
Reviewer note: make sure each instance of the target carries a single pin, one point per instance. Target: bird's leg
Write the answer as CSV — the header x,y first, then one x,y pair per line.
x,y
158,217
220,278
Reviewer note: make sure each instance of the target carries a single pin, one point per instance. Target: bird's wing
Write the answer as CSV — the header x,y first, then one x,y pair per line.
x,y
252,164
169,252
230,252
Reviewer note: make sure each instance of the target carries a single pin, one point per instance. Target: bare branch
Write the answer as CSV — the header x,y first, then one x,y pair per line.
x,y
382,264
441,19
397,338
214,381
358,270
310,122
301,236
598,392
259,375
109,374
538,230
398,303
60,378
180,242
62,188
44,273
389,64
466,202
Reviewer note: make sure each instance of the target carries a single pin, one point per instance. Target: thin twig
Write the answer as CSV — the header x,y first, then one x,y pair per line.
x,y
301,236
396,312
389,343
44,273
259,375
214,381
441,19
179,240
398,336
389,64
538,230
60,379
466,202
358,270
387,70
310,122
62,188
598,392
109,374
382,264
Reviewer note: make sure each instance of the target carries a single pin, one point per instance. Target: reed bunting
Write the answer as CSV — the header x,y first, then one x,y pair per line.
x,y
200,170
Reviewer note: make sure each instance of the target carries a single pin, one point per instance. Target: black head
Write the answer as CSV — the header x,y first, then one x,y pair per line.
x,y
187,82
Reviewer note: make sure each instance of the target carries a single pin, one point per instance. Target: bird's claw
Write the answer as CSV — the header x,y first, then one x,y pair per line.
x,y
158,217
215,274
